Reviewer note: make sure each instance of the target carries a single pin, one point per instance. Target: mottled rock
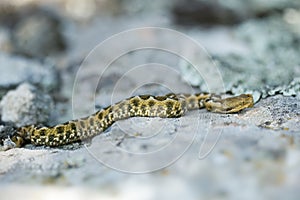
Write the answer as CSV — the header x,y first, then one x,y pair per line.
x,y
254,154
15,70
6,132
254,71
38,35
5,43
276,113
193,12
26,105
35,31
214,12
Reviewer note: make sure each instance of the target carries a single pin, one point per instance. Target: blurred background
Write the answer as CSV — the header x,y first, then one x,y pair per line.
x,y
253,36
254,43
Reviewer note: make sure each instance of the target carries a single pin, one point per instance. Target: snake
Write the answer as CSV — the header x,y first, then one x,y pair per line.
x,y
166,106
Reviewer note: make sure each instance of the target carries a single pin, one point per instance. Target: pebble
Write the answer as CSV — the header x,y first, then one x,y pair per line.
x,y
26,105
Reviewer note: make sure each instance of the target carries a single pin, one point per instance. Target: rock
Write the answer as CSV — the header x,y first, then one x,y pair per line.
x,y
8,13
6,131
15,70
267,49
38,35
35,30
26,105
214,12
276,113
5,43
203,12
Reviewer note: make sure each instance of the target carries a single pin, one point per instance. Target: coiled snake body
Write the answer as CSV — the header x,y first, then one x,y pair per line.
x,y
168,106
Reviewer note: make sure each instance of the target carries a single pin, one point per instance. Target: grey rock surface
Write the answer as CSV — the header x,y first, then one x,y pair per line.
x,y
38,35
5,42
26,105
15,70
269,65
201,160
201,12
254,154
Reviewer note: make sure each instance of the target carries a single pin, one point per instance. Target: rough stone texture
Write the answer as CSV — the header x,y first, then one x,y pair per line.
x,y
15,70
5,43
254,154
34,30
270,63
38,35
201,12
193,12
230,157
26,105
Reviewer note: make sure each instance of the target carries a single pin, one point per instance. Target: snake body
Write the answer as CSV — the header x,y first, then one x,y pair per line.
x,y
167,106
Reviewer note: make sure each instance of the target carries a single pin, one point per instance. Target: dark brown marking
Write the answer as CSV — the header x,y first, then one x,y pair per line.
x,y
160,98
68,133
228,109
73,126
60,129
151,103
82,124
33,139
43,140
91,121
51,138
135,102
121,104
108,109
172,96
143,108
129,107
144,97
100,115
169,105
42,132
178,111
201,94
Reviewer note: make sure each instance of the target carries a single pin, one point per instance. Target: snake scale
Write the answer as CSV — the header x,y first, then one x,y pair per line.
x,y
167,106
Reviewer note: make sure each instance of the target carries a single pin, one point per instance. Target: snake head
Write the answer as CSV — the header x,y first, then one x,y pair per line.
x,y
22,135
12,137
229,105
9,137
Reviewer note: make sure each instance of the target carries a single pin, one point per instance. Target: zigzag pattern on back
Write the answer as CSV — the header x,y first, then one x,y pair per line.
x,y
168,106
